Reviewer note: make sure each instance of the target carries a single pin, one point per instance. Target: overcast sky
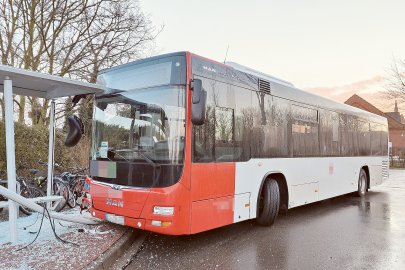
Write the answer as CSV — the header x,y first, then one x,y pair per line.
x,y
312,43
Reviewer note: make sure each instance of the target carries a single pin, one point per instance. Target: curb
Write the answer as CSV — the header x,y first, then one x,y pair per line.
x,y
108,258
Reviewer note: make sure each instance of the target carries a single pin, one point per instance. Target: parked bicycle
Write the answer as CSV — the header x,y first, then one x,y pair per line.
x,y
59,187
75,182
26,190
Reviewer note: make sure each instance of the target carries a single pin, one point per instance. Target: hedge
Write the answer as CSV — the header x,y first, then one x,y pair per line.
x,y
31,143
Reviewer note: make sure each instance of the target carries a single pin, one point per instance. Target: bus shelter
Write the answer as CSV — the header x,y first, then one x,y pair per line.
x,y
15,81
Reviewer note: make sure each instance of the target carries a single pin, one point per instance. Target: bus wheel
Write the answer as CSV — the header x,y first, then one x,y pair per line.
x,y
269,203
362,186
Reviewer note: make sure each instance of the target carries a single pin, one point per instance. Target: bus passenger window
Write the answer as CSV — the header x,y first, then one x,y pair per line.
x,y
364,138
224,135
305,131
375,139
384,140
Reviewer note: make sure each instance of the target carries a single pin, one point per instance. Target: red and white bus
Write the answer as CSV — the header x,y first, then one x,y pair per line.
x,y
182,144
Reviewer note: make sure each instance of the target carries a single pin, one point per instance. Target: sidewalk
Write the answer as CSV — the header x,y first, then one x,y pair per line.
x,y
49,253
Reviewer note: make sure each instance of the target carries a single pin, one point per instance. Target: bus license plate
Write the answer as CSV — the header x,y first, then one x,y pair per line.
x,y
115,219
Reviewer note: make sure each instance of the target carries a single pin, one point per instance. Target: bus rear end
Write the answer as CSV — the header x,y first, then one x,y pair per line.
x,y
137,168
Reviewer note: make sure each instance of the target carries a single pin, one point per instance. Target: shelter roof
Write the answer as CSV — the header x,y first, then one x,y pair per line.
x,y
31,83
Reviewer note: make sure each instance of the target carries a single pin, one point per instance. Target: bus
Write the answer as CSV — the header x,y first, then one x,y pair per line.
x,y
182,144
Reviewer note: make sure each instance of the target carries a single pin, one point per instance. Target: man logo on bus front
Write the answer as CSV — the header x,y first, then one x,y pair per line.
x,y
116,203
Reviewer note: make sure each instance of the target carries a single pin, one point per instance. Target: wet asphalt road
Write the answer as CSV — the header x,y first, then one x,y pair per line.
x,y
340,233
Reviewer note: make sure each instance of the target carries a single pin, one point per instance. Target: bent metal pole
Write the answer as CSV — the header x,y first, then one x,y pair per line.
x,y
14,197
10,153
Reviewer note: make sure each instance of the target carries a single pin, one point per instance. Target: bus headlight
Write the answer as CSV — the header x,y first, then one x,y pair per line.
x,y
164,211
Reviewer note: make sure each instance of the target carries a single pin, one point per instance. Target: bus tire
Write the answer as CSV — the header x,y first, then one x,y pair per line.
x,y
362,184
269,203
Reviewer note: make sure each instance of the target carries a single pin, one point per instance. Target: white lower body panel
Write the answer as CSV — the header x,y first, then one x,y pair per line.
x,y
308,179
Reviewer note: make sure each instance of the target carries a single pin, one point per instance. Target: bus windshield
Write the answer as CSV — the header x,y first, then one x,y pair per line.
x,y
145,125
139,124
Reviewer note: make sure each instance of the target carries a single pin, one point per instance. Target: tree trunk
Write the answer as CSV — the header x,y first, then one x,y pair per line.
x,y
21,112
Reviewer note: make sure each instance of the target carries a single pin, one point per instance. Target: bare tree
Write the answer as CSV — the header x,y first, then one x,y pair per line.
x,y
396,82
73,38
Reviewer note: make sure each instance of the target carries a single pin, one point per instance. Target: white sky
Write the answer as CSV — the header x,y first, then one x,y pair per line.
x,y
311,43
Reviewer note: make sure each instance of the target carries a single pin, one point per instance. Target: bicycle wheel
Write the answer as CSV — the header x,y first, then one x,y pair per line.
x,y
78,190
59,188
28,191
2,199
72,198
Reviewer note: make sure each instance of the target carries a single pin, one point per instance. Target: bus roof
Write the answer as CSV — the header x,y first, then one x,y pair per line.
x,y
278,87
285,89
258,74
304,97
143,60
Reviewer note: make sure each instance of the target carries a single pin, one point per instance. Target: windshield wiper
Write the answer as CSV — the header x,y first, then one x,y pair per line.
x,y
116,153
156,166
147,159
141,154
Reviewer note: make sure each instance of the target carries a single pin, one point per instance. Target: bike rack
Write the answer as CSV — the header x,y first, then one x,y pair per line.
x,y
36,84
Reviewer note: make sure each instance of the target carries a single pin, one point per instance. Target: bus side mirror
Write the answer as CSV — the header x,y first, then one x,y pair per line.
x,y
75,127
199,102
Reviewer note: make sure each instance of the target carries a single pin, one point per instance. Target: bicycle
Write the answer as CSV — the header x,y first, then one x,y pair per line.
x,y
75,183
59,188
26,190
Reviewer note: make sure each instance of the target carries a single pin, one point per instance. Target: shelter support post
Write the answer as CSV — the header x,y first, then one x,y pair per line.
x,y
51,150
36,84
10,153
